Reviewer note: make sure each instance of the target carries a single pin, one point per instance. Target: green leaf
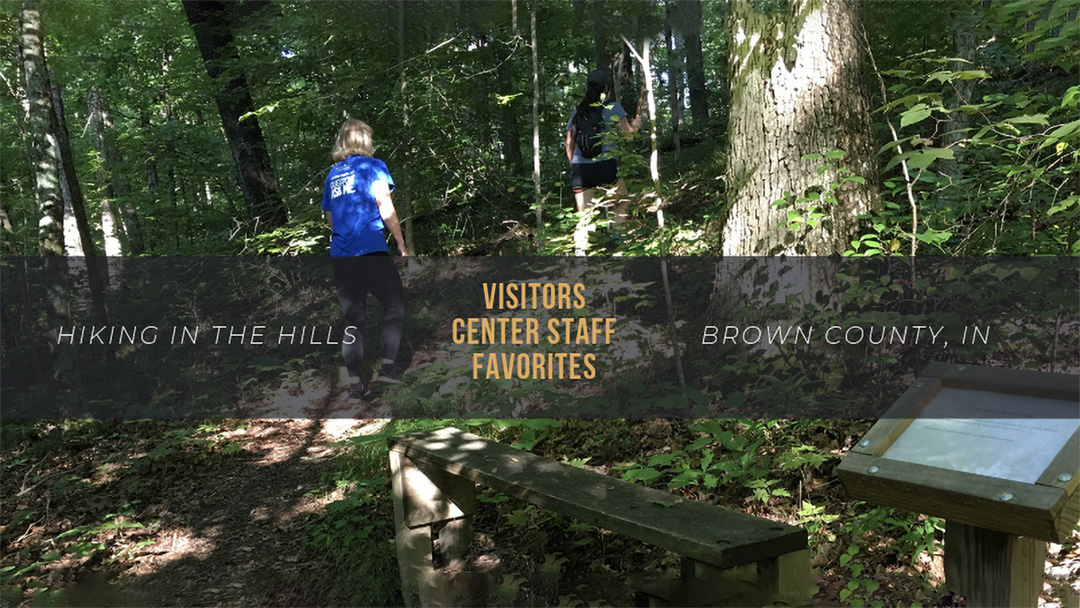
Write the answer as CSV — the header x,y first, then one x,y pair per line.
x,y
1034,119
834,154
642,474
917,113
920,159
663,459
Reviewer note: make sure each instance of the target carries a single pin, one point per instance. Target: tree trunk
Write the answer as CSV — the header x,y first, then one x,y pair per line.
x,y
537,200
403,195
510,133
600,36
210,20
38,93
689,25
67,164
85,274
797,88
47,187
110,226
955,127
674,74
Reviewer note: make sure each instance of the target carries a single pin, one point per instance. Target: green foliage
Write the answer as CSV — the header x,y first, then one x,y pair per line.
x,y
988,163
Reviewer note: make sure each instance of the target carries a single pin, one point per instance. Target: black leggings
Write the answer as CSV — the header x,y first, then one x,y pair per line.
x,y
355,278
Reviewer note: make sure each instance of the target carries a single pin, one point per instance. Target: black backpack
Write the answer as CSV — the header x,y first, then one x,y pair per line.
x,y
590,131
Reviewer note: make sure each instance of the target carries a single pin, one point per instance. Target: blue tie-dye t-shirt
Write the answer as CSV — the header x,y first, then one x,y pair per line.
x,y
347,195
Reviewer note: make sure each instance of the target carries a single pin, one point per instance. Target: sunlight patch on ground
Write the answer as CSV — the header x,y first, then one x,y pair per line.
x,y
177,544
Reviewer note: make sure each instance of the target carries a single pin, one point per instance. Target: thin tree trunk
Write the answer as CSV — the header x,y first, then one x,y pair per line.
x,y
689,25
674,73
537,200
964,41
110,224
510,133
211,22
654,168
403,194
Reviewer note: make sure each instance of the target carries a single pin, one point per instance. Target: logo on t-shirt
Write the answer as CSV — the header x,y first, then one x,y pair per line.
x,y
345,184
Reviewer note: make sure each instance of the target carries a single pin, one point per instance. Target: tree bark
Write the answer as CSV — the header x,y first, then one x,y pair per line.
x,y
38,93
211,22
797,88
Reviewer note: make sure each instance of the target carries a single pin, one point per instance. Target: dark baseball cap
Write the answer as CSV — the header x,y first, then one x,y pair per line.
x,y
600,77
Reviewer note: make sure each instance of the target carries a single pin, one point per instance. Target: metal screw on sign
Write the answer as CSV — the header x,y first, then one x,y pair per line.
x,y
1007,496
961,368
1064,477
864,443
918,384
873,470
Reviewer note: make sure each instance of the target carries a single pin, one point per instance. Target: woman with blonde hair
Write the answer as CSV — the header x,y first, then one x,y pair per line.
x,y
359,207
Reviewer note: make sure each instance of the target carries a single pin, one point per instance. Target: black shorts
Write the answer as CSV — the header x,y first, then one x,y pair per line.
x,y
590,175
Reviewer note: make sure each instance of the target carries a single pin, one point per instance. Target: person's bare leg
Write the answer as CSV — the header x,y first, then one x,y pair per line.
x,y
583,200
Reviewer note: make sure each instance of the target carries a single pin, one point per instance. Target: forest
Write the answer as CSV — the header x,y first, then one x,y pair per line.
x,y
845,171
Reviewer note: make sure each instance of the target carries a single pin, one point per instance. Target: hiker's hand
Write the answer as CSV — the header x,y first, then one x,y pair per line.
x,y
404,251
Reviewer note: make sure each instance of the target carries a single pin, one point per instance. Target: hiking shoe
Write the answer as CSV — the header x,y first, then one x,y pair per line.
x,y
358,392
386,375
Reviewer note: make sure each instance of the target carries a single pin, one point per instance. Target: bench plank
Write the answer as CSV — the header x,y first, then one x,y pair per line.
x,y
708,533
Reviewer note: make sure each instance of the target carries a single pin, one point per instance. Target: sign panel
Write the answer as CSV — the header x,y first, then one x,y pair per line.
x,y
1017,440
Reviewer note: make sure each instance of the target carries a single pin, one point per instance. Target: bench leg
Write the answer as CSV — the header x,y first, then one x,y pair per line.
x,y
783,579
787,578
423,499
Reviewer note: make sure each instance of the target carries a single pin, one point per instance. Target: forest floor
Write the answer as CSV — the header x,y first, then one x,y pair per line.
x,y
254,513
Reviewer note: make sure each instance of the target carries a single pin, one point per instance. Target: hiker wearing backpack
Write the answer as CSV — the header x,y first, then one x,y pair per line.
x,y
358,205
589,142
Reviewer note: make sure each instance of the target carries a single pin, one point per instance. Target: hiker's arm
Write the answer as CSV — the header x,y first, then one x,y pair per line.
x,y
628,128
381,190
330,220
570,146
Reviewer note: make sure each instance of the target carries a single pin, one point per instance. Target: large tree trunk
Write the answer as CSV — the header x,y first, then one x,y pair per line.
x,y
38,93
76,205
47,187
797,88
211,22
70,177
689,24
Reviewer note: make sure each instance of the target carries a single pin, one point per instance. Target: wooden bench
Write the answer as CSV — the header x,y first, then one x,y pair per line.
x,y
728,558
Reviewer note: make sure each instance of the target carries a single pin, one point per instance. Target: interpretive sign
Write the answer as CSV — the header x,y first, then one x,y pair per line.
x,y
1018,444
996,452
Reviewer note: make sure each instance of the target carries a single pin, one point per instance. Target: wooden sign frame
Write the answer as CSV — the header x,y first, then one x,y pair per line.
x,y
1046,510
